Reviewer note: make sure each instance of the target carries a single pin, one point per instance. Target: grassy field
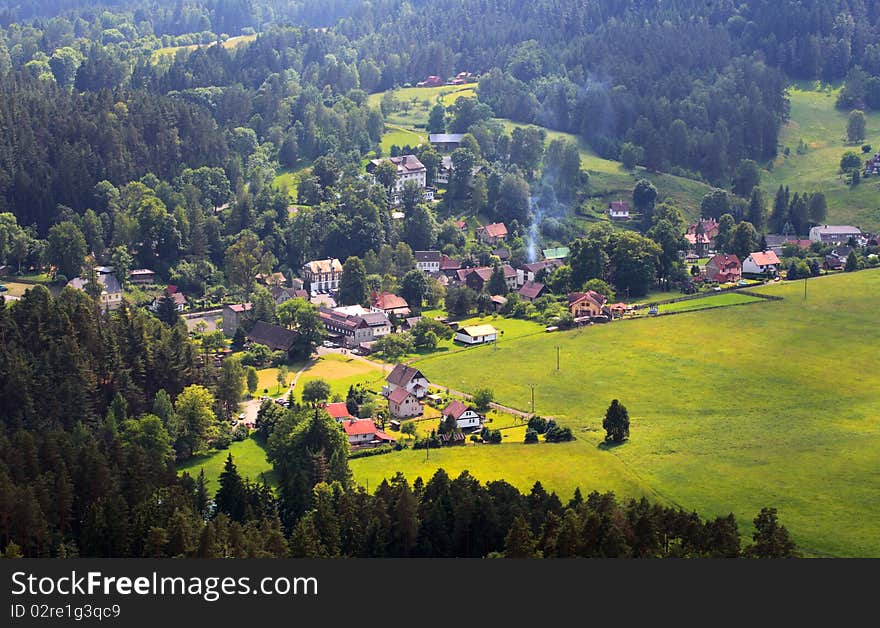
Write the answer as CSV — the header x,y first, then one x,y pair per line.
x,y
708,302
816,121
395,135
230,43
341,372
417,102
775,404
288,181
248,455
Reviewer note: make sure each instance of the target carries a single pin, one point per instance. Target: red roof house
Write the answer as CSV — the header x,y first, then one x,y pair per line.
x,y
723,268
338,410
492,233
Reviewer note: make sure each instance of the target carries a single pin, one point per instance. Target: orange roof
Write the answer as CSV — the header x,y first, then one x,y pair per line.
x,y
388,301
357,427
766,258
495,230
337,410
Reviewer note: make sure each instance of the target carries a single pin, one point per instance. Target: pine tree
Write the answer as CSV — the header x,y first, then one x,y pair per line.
x,y
616,422
230,498
166,310
519,542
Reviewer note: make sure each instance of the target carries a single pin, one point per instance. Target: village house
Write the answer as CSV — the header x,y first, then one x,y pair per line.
x,y
282,295
409,168
352,330
390,304
502,253
273,336
465,418
449,266
402,376
492,233
363,433
271,279
557,253
445,141
431,81
402,404
111,290
836,234
761,263
531,290
427,261
723,268
475,278
701,235
233,315
338,411
141,277
836,259
409,323
619,210
498,302
476,334
322,275
587,305
531,271
176,296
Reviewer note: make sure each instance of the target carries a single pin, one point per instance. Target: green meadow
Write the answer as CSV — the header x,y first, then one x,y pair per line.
x,y
732,409
248,455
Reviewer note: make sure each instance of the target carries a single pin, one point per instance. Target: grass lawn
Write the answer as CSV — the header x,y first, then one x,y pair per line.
x,y
229,44
815,119
776,404
398,136
288,181
708,302
341,372
248,455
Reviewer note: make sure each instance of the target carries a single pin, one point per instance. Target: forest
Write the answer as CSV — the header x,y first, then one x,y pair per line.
x,y
131,134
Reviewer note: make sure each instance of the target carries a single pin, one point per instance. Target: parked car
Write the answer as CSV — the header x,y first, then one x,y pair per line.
x,y
3,288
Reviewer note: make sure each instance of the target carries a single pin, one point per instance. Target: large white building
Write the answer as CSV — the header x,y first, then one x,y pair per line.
x,y
834,234
409,168
322,275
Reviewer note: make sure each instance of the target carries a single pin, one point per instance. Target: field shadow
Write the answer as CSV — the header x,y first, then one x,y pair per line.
x,y
609,445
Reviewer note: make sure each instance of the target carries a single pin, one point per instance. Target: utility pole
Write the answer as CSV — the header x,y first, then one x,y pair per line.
x,y
557,357
805,288
533,397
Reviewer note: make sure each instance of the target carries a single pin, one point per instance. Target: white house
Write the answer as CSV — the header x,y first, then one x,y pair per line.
x,y
476,334
402,376
322,275
619,210
761,263
833,234
409,168
111,291
402,404
465,418
427,261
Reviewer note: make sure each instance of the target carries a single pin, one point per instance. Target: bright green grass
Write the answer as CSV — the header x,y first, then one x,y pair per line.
x,y
229,44
774,404
341,372
400,137
709,302
288,180
248,455
815,119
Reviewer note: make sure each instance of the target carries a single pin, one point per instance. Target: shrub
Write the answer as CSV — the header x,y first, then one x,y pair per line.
x,y
531,436
558,434
375,451
538,424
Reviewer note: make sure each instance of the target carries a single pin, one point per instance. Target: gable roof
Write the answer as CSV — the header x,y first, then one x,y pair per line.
x,y
494,230
765,258
323,266
337,410
401,375
619,206
723,261
358,427
445,138
478,330
275,337
240,307
455,409
399,395
589,295
536,267
447,263
531,289
405,163
426,256
387,301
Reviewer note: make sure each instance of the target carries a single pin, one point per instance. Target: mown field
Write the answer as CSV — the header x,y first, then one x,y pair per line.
x,y
249,458
170,51
816,121
733,409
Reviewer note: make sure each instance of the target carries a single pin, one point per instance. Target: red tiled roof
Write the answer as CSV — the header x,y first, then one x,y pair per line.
x,y
357,427
591,295
495,230
388,301
447,263
240,307
399,395
338,410
531,289
454,409
766,258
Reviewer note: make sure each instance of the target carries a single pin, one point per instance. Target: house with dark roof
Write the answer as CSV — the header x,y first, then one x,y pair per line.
x,y
475,278
427,261
141,276
408,378
619,210
449,266
531,290
273,336
466,418
176,296
402,404
351,330
445,141
723,268
282,295
409,168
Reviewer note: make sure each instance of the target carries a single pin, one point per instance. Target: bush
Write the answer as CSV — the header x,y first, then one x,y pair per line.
x,y
241,432
531,436
850,160
482,399
558,434
538,424
375,451
866,148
